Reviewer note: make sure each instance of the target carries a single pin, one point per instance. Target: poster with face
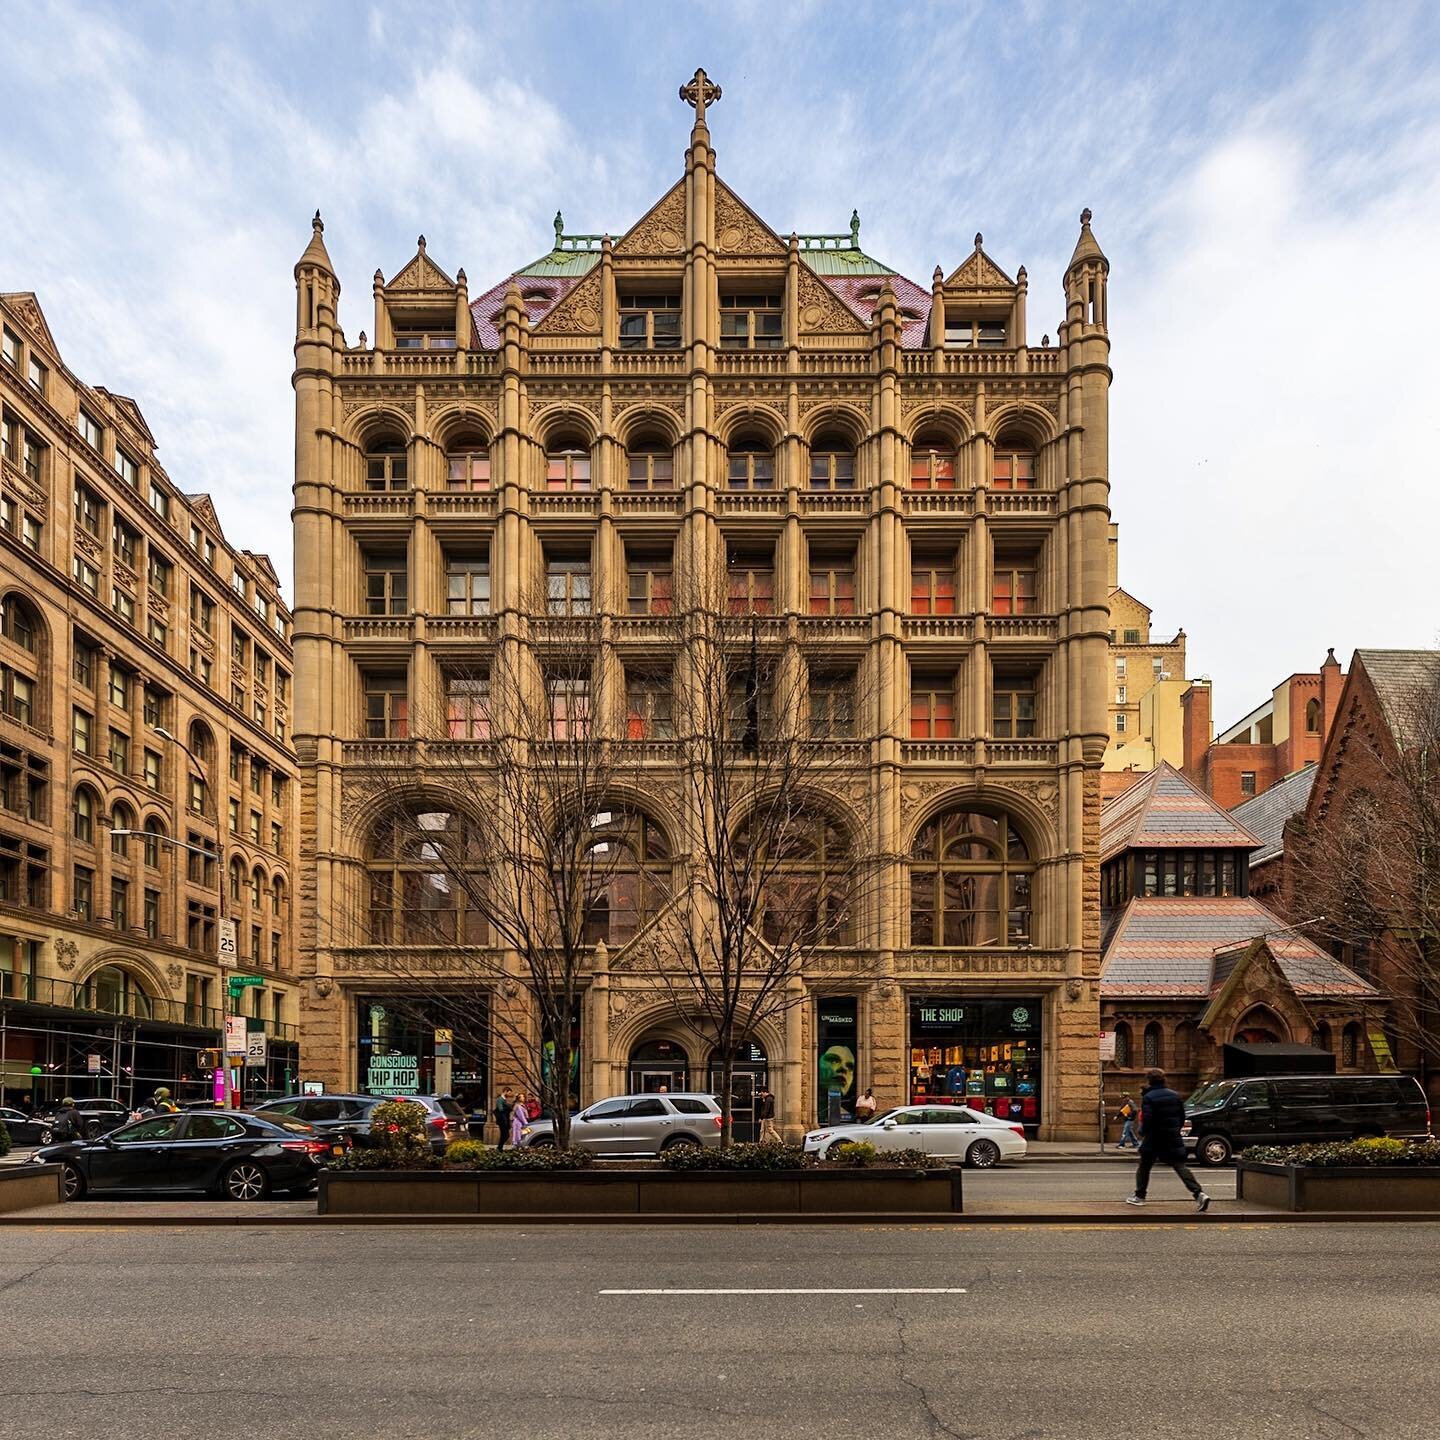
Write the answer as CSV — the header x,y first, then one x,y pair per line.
x,y
837,1052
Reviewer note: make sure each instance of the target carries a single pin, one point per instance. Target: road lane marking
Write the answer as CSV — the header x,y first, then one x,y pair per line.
x,y
850,1290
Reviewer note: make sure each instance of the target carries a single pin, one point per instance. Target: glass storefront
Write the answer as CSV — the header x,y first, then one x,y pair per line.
x,y
980,1053
395,1045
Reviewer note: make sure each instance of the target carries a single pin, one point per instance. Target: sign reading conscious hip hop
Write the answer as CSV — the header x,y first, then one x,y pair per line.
x,y
394,1075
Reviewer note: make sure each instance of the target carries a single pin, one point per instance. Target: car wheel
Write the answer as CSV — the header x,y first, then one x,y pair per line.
x,y
681,1142
72,1183
982,1154
92,1130
1212,1150
244,1180
47,1135
544,1142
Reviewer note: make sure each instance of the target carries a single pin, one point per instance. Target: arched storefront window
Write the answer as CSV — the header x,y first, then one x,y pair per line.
x,y
650,464
804,865
659,1065
419,867
970,881
628,879
113,990
832,463
1014,467
386,464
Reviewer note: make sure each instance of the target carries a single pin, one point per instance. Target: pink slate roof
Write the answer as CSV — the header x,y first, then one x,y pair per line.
x,y
1165,811
539,293
915,334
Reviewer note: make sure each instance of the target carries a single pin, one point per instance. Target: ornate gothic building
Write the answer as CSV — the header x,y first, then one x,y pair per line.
x,y
910,496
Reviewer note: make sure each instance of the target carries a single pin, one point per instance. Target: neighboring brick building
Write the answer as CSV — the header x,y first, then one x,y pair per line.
x,y
126,614
918,500
1274,740
1267,815
1146,682
1192,961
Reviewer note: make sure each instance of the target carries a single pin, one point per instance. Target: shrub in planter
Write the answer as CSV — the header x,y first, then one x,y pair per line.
x,y
737,1157
464,1152
531,1157
4,1141
384,1157
398,1126
1338,1154
856,1154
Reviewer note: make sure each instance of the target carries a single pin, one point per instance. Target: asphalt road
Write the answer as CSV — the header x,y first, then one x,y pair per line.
x,y
1074,1332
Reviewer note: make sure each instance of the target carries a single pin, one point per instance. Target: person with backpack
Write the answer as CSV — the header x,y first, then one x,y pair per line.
x,y
68,1123
504,1103
159,1103
1162,1116
1129,1113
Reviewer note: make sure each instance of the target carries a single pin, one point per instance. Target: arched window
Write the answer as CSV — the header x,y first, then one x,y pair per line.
x,y
154,831
752,463
1122,1045
122,817
1152,1044
19,624
467,460
933,462
1322,1039
1312,717
628,877
832,463
237,879
1014,467
970,878
801,863
113,990
277,897
1184,1056
84,811
650,464
657,1065
567,463
419,867
386,464
257,887
1261,1026
1350,1046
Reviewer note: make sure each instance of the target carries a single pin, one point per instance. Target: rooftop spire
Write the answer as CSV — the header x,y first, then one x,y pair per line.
x,y
559,228
855,229
700,92
1087,247
315,252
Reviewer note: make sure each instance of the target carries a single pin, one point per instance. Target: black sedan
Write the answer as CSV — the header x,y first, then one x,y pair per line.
x,y
26,1129
237,1155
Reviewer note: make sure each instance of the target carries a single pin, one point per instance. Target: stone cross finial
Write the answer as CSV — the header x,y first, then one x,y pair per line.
x,y
1085,216
854,229
700,92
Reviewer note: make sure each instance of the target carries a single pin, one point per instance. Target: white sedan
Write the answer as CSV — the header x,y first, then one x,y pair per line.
x,y
949,1131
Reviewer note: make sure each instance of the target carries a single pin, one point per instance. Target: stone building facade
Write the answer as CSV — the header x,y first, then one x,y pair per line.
x,y
126,614
899,473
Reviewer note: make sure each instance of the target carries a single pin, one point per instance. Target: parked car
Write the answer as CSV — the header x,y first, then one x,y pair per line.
x,y
26,1129
949,1131
239,1155
1228,1115
637,1125
349,1115
102,1115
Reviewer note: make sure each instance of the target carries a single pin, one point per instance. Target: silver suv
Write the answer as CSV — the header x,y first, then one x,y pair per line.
x,y
637,1125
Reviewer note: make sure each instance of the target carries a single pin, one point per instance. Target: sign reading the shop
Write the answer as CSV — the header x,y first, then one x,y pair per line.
x,y
394,1075
941,1015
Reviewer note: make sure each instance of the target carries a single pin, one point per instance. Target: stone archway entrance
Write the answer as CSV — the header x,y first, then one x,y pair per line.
x,y
658,1064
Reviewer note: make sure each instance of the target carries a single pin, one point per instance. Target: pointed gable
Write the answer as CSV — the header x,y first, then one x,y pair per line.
x,y
128,413
1165,811
421,274
979,272
660,231
822,311
739,231
204,508
578,313
27,310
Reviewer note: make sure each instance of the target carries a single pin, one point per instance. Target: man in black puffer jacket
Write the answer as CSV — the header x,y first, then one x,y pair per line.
x,y
1162,1113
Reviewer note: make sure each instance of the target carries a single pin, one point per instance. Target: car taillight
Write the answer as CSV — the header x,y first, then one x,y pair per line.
x,y
313,1147
1018,1130
719,1121
439,1122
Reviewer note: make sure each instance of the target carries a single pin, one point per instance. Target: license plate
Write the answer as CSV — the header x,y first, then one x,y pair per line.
x,y
337,1149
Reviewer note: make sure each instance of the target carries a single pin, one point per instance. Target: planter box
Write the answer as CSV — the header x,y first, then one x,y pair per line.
x,y
23,1187
1373,1189
641,1192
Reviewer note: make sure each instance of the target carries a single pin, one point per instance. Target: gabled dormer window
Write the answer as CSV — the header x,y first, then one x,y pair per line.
x,y
650,322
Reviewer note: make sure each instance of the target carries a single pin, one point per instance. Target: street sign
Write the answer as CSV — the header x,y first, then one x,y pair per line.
x,y
394,1074
444,1037
225,940
257,1050
1107,1044
240,982
312,1087
236,1039
92,1064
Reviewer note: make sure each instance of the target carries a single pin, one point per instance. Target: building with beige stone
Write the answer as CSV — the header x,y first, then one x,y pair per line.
x,y
911,496
129,620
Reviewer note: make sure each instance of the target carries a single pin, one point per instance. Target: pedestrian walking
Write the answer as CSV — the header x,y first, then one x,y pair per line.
x,y
504,1103
865,1107
1162,1114
1129,1114
519,1119
159,1103
68,1123
765,1114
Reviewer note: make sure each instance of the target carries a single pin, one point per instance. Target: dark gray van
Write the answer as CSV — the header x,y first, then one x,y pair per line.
x,y
1228,1115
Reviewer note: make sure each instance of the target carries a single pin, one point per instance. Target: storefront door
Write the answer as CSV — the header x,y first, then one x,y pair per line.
x,y
743,1085
652,1082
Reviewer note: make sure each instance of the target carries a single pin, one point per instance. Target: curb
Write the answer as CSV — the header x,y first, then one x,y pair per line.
x,y
1120,1219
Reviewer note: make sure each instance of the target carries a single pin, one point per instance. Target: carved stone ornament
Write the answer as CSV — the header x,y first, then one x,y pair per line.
x,y
174,974
29,313
822,311
662,231
1045,793
578,313
737,231
324,987
1074,988
65,953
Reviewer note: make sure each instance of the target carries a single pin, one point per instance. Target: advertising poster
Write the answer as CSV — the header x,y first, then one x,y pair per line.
x,y
837,1058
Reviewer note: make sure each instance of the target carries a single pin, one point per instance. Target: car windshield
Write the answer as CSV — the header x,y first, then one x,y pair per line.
x,y
1215,1093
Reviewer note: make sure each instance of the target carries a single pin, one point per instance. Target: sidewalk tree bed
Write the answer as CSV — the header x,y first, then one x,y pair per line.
x,y
1384,1176
743,1180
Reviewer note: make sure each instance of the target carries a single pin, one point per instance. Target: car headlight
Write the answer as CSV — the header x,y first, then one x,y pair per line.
x,y
819,1135
526,1130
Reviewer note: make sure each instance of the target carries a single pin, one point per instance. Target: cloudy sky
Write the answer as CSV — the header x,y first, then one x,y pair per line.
x,y
1264,179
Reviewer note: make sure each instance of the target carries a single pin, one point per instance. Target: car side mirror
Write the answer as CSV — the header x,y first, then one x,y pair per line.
x,y
889,1125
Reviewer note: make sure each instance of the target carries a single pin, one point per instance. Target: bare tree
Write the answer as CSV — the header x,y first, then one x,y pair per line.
x,y
503,829
771,877
1367,860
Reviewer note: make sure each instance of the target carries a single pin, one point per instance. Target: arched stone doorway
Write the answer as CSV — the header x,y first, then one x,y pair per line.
x,y
749,1074
1261,1026
658,1064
